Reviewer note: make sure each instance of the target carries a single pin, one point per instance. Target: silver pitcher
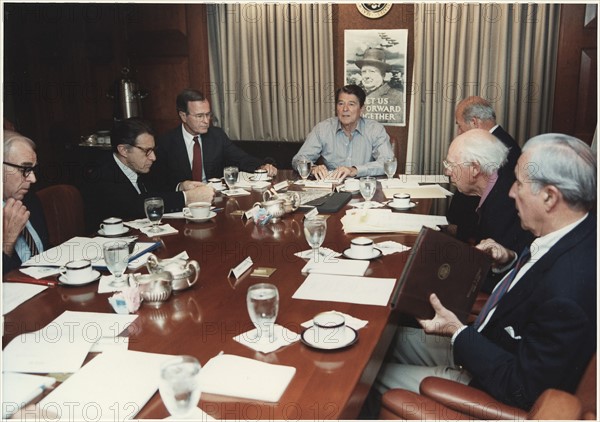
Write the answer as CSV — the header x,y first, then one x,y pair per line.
x,y
274,207
185,273
291,200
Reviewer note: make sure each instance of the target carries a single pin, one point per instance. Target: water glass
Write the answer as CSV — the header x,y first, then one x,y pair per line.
x,y
368,185
179,385
230,175
154,208
116,256
314,230
263,305
389,167
304,167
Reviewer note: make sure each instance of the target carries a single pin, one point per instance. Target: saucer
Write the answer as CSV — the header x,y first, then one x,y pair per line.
x,y
124,231
210,215
218,188
411,205
95,277
308,338
353,192
376,254
262,179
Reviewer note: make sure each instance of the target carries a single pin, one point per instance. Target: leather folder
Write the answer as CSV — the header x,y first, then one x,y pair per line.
x,y
441,264
331,203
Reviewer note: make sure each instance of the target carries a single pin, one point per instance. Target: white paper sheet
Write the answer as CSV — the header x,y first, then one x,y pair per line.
x,y
424,191
19,389
63,344
423,178
236,376
13,294
39,272
385,221
335,288
114,386
336,266
80,248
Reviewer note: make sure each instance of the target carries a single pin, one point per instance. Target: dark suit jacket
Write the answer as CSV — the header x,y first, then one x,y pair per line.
x,y
172,164
109,193
38,221
461,211
552,310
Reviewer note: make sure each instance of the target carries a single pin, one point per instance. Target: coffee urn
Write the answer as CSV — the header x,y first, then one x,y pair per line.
x,y
127,97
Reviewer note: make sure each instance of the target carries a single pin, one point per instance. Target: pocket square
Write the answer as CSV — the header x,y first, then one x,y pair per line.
x,y
511,332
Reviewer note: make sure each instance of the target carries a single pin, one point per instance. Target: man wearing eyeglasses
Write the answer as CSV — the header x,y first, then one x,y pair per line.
x,y
196,150
119,187
24,227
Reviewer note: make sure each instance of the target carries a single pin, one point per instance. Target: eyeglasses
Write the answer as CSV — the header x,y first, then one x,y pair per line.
x,y
448,165
25,170
147,151
202,115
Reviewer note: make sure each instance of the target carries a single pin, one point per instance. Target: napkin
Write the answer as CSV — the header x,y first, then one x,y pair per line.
x,y
389,247
283,337
236,376
324,252
235,192
139,223
351,322
164,230
39,272
337,266
363,205
105,287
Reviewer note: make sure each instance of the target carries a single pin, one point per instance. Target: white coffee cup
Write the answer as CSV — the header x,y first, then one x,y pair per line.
x,y
352,185
215,183
112,225
77,272
197,210
260,174
401,200
361,247
329,327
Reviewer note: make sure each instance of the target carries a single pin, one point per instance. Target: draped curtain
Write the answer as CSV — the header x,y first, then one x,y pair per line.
x,y
271,68
505,53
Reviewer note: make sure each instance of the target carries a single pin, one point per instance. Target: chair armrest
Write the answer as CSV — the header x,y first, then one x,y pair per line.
x,y
404,404
468,400
556,405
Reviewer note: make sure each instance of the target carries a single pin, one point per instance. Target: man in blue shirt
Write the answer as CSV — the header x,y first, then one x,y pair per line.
x,y
350,145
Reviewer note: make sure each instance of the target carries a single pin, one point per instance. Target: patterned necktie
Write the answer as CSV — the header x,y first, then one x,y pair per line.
x,y
141,186
502,288
30,242
197,161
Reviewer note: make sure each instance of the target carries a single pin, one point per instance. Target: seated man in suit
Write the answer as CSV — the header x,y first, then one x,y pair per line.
x,y
475,164
24,232
119,187
196,150
477,113
349,144
538,329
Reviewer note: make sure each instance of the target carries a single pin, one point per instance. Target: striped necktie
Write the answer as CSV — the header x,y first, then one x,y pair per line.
x,y
30,242
197,161
502,288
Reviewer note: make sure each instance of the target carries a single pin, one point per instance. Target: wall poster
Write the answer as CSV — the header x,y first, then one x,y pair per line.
x,y
376,60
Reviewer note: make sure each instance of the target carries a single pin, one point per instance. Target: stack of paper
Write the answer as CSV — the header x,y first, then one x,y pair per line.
x,y
385,221
416,192
19,389
13,294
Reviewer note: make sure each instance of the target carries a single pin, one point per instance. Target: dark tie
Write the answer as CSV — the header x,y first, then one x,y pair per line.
x,y
197,161
30,242
141,186
502,288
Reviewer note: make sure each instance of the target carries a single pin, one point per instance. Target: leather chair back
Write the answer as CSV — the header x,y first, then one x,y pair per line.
x,y
63,209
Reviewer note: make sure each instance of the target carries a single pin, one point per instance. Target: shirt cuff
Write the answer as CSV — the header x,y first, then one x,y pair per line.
x,y
456,333
500,270
184,198
178,187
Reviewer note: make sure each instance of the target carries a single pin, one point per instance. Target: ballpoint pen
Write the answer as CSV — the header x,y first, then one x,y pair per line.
x,y
29,280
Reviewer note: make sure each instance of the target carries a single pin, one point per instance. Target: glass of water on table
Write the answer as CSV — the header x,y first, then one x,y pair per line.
x,y
154,208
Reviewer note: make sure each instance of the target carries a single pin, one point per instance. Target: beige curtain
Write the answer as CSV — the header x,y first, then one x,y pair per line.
x,y
505,53
271,68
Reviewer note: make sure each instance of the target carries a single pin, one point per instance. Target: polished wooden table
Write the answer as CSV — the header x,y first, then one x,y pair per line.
x,y
203,320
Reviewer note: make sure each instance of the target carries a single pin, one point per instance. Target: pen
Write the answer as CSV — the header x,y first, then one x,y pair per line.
x,y
217,209
43,282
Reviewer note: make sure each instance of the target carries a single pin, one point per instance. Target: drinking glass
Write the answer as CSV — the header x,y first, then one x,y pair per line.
x,y
179,385
154,208
368,185
314,230
231,176
304,167
263,305
116,256
389,167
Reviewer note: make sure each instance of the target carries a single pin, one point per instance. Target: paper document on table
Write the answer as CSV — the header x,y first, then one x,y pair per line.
x,y
397,183
13,294
386,221
423,178
347,289
20,389
117,383
336,266
418,192
84,248
236,376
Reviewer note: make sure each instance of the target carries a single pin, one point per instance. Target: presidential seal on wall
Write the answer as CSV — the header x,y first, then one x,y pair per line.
x,y
374,10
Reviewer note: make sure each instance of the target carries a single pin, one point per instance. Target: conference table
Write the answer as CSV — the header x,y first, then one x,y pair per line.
x,y
203,320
